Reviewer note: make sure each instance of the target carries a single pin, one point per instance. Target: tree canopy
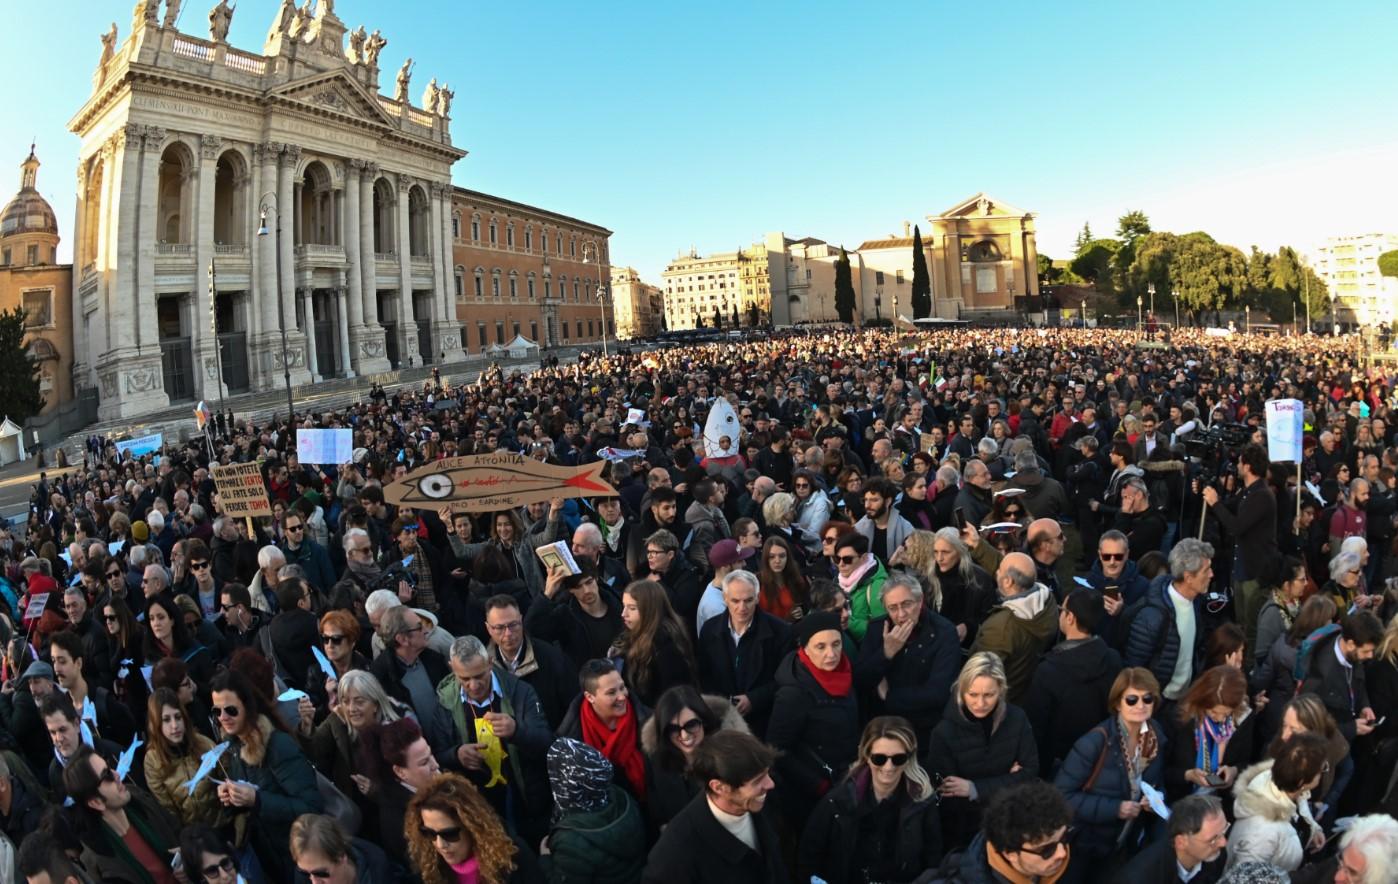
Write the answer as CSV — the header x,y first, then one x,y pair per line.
x,y
19,372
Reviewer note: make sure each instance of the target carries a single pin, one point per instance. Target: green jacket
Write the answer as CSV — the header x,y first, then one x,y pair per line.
x,y
604,847
864,601
530,742
1020,630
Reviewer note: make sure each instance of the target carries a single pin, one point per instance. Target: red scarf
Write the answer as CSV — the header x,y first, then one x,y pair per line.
x,y
836,682
618,745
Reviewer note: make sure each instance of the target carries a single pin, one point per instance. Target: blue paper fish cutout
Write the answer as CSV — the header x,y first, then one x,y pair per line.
x,y
206,763
128,755
324,662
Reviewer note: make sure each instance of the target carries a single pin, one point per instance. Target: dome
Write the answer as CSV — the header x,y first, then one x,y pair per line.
x,y
28,212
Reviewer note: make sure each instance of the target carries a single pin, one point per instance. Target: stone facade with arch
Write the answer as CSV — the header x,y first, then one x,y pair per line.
x,y
211,180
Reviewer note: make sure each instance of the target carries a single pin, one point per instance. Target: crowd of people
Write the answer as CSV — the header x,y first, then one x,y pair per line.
x,y
971,605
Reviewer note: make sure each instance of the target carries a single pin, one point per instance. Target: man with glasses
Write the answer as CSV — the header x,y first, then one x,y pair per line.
x,y
241,622
1192,852
410,673
302,550
538,664
910,657
1117,581
668,567
201,584
476,691
119,815
1024,837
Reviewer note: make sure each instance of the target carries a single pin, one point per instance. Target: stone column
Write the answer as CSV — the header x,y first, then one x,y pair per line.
x,y
407,325
342,323
265,250
205,344
370,354
297,348
308,312
81,257
448,338
147,331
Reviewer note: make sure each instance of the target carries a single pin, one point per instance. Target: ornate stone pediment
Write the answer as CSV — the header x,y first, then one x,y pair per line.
x,y
334,92
982,206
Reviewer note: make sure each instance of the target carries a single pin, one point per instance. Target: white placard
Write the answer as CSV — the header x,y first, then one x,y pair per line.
x,y
332,447
1285,430
143,445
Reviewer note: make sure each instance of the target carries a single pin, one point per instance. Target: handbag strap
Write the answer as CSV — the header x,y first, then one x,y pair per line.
x,y
1101,759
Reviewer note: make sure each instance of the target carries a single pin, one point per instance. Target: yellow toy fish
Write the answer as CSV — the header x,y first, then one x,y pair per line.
x,y
491,750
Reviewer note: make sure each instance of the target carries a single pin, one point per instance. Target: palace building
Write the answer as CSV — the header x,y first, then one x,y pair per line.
x,y
246,216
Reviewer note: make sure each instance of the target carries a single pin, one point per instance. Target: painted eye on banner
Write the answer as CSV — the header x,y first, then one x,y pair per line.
x,y
436,486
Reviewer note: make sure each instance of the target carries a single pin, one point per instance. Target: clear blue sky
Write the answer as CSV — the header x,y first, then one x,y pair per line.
x,y
709,124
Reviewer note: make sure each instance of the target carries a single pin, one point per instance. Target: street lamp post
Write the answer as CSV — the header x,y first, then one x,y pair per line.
x,y
1174,293
268,202
1151,289
1139,317
878,304
601,290
1247,319
213,331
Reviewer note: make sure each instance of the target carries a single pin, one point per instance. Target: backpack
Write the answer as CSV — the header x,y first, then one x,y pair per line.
x,y
1303,653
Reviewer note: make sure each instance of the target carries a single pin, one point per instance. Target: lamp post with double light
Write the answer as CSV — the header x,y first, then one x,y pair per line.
x,y
1140,323
601,287
268,203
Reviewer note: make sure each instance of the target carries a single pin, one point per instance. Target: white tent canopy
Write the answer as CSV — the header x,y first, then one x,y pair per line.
x,y
11,443
519,348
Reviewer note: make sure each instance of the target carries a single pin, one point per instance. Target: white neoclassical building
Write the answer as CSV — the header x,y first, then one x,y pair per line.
x,y
191,147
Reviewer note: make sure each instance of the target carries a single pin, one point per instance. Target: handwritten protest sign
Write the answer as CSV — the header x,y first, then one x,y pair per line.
x,y
37,603
324,446
241,491
487,482
143,445
1285,419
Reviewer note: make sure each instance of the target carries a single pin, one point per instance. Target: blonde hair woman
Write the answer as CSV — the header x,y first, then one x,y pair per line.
x,y
916,555
844,843
981,745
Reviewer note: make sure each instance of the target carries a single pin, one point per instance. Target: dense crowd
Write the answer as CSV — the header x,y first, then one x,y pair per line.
x,y
975,605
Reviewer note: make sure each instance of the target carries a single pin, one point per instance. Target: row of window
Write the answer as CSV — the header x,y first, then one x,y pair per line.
x,y
494,236
583,290
534,330
31,256
878,277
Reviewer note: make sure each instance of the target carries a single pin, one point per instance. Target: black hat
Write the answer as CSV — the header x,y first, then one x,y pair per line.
x,y
810,624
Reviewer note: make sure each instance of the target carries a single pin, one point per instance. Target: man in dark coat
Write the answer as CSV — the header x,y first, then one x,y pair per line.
x,y
536,663
668,566
696,848
1158,637
294,631
1068,694
577,616
1335,672
410,673
909,659
744,671
1194,847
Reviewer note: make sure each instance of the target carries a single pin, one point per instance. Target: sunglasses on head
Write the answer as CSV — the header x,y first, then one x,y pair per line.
x,y
1133,699
878,759
693,726
224,865
1111,557
450,835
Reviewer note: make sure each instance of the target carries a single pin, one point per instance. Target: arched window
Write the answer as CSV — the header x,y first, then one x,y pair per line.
x,y
480,283
495,283
510,235
456,227
528,238
494,234
514,286
985,250
460,277
475,228
530,283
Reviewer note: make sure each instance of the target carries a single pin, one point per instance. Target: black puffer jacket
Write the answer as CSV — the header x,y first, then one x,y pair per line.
x,y
983,752
840,825
1069,695
818,733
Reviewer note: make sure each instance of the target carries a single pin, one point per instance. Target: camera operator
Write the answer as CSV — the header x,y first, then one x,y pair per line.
x,y
1250,516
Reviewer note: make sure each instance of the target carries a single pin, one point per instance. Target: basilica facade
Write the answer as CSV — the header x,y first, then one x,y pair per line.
x,y
244,216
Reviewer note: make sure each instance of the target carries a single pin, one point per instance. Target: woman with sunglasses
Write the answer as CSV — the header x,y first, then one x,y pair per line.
x,y
208,859
982,745
849,495
1214,735
815,716
824,565
681,720
880,823
1103,772
339,636
325,854
173,749
1274,823
1345,585
812,508
454,837
165,635
125,654
265,774
784,589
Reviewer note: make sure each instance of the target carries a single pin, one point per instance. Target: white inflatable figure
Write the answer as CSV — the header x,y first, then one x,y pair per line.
x,y
722,424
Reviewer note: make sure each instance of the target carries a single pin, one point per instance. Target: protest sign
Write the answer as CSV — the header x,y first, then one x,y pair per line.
x,y
487,482
332,447
1284,430
35,608
240,490
140,446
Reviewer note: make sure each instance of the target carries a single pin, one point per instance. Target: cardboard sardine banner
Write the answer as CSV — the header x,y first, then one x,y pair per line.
x,y
487,482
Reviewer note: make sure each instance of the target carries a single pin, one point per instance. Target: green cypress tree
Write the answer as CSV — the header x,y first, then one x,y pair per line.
x,y
19,373
844,288
922,282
